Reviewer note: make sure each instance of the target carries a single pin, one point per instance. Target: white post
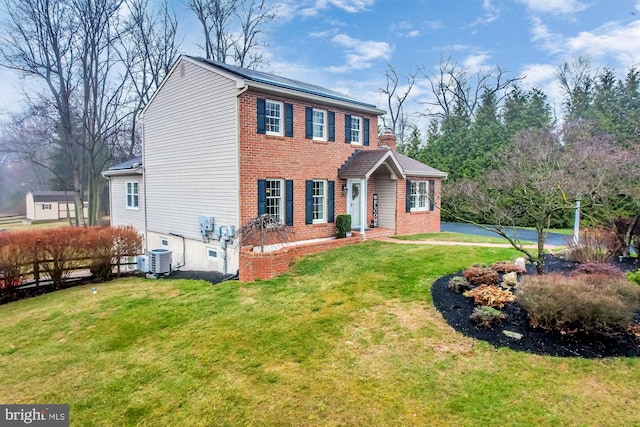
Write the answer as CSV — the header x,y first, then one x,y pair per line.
x,y
576,224
363,207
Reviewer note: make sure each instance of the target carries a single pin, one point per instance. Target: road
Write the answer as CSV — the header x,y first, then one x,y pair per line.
x,y
554,239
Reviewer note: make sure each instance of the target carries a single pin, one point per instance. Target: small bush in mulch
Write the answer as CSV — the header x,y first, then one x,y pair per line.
x,y
503,267
490,296
458,284
487,317
481,276
515,331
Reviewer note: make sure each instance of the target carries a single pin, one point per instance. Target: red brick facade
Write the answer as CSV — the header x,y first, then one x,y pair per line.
x,y
417,222
298,159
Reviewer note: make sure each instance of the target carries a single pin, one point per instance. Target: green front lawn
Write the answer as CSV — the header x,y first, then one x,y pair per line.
x,y
447,236
347,337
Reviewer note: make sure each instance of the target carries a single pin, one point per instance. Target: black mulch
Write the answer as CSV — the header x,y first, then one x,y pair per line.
x,y
456,309
213,277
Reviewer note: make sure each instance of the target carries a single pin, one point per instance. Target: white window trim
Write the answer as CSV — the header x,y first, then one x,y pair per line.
x,y
137,193
281,198
417,208
322,220
209,250
324,124
281,118
46,206
359,119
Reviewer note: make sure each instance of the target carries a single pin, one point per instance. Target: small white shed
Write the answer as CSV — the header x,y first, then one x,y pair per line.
x,y
51,205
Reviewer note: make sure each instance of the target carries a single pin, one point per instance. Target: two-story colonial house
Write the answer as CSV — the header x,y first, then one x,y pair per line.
x,y
223,145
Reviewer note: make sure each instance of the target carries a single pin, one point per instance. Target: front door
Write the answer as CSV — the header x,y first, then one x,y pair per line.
x,y
355,203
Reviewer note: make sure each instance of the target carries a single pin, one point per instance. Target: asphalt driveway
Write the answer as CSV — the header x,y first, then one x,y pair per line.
x,y
554,239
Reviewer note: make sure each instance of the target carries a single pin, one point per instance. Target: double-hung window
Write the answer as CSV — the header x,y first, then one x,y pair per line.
x,y
356,130
132,195
319,201
419,196
273,117
319,125
275,199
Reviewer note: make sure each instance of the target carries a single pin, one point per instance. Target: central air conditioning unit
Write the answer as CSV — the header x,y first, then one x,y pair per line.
x,y
159,261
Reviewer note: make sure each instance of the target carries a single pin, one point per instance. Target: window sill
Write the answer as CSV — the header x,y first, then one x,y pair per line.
x,y
133,209
279,137
320,141
420,211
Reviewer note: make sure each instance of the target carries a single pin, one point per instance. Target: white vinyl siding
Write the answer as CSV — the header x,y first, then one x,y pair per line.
x,y
191,152
386,190
120,215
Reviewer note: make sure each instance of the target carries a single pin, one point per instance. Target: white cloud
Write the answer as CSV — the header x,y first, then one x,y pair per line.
x,y
351,6
404,29
553,43
360,53
614,40
477,62
555,6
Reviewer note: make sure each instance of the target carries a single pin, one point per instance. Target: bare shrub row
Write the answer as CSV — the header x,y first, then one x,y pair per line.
x,y
54,253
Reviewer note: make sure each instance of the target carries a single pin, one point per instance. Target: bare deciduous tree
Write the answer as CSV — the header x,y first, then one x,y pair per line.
x,y
536,180
232,28
150,48
454,87
397,93
68,46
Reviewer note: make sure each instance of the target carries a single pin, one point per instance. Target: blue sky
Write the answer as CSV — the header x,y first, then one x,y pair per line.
x,y
345,44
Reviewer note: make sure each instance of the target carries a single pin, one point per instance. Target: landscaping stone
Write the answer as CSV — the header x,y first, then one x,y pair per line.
x,y
514,335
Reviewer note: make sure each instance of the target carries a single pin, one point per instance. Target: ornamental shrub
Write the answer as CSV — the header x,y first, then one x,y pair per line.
x,y
597,268
634,277
590,303
490,295
507,267
595,245
458,284
343,225
481,276
487,317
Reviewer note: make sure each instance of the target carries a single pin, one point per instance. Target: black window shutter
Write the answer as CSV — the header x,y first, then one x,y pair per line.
x,y
289,202
347,128
332,126
331,201
366,132
408,205
432,194
309,202
262,126
262,197
288,120
308,122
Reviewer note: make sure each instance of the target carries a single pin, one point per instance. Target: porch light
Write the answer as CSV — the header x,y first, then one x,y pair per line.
x,y
345,189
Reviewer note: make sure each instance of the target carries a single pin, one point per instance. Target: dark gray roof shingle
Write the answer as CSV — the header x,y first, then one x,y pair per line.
x,y
129,164
362,162
54,196
282,82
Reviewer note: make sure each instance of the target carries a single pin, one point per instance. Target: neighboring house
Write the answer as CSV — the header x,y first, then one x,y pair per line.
x,y
224,144
52,205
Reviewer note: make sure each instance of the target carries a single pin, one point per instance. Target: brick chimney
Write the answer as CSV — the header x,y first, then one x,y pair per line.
x,y
388,139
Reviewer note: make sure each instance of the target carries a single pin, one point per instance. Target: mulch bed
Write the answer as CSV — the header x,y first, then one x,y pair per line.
x,y
456,309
